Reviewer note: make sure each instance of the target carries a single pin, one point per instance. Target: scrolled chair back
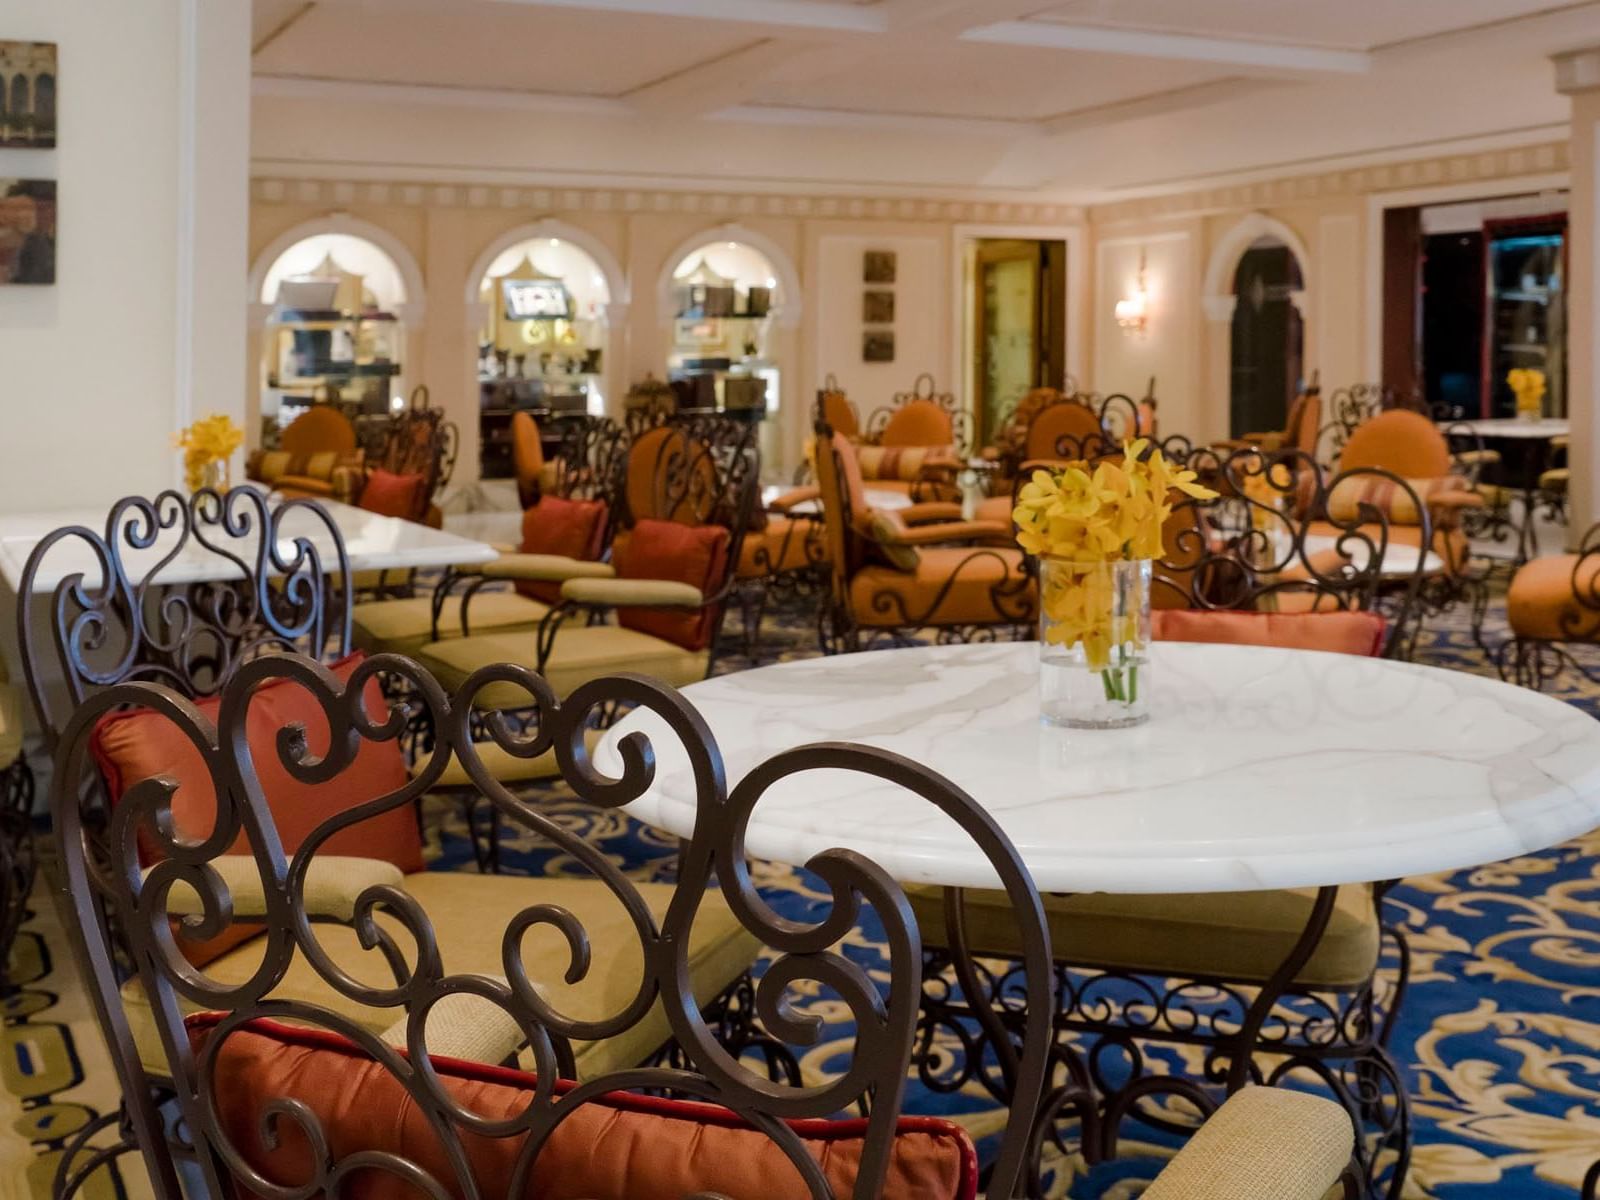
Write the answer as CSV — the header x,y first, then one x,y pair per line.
x,y
179,590
693,470
924,416
835,407
289,1098
1283,535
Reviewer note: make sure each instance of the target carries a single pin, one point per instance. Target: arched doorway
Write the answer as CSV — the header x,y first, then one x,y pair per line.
x,y
1266,359
546,305
333,306
733,299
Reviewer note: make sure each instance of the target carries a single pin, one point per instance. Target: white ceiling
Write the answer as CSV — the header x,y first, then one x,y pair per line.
x,y
1085,99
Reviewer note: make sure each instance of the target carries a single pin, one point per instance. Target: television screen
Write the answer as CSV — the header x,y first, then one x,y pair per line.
x,y
531,299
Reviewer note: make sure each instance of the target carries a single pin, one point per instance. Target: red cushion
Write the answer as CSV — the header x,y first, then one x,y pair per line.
x,y
692,554
620,1147
1339,632
569,528
391,495
139,744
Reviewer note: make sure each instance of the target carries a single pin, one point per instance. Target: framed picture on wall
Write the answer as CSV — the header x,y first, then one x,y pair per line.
x,y
877,307
27,231
877,346
878,266
28,83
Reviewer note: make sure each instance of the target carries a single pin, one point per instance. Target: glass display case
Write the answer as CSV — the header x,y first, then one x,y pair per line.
x,y
720,358
1525,317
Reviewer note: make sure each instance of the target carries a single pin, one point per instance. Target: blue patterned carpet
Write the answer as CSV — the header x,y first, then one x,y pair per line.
x,y
1499,1038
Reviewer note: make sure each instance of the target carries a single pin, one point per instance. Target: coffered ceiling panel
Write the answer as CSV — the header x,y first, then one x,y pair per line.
x,y
506,46
970,79
1346,24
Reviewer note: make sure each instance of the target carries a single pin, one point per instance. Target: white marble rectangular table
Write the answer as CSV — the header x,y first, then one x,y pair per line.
x,y
372,542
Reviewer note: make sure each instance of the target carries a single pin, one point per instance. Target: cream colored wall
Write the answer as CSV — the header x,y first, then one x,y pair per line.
x,y
922,326
448,228
1169,348
132,339
1198,238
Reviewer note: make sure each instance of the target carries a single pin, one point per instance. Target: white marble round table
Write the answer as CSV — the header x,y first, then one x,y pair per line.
x,y
1260,768
1511,427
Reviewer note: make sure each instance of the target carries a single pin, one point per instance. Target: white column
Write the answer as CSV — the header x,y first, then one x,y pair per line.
x,y
1578,76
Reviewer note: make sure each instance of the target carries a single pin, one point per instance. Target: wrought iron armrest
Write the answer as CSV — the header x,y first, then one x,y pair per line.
x,y
612,593
333,882
550,568
929,510
794,497
1265,1143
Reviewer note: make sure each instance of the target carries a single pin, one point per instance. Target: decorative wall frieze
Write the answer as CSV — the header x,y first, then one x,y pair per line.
x,y
268,190
1487,165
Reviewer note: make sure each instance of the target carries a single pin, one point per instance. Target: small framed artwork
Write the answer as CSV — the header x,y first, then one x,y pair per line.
x,y
877,307
28,82
27,231
878,266
877,346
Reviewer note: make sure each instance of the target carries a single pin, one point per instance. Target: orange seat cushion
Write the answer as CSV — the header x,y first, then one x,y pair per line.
x,y
692,554
1449,544
292,486
567,528
950,586
618,1147
1405,442
391,495
1541,602
918,422
994,508
785,544
1359,633
139,744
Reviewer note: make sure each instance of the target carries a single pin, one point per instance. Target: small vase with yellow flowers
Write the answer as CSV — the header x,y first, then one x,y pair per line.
x,y
207,446
1528,384
1096,529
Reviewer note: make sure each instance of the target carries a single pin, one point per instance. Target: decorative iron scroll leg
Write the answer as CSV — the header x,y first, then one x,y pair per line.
x,y
80,1162
1244,1045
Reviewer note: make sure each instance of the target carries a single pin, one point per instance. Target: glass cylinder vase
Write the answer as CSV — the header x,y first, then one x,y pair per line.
x,y
1094,638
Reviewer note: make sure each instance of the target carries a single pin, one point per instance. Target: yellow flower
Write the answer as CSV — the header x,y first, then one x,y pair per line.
x,y
208,440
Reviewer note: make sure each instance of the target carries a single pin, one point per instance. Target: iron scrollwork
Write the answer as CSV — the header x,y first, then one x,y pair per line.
x,y
805,951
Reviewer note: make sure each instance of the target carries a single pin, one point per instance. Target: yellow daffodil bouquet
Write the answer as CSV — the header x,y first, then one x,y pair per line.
x,y
1529,385
210,440
1095,530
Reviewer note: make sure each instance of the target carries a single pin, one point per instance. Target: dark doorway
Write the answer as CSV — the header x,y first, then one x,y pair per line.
x,y
1018,324
1452,321
1268,338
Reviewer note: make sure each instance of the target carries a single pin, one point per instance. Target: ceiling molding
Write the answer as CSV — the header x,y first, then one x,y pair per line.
x,y
1489,166
785,14
1577,70
336,194
714,83
1135,43
835,118
351,91
1157,104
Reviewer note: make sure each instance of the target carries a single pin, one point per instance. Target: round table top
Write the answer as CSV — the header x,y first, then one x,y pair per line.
x,y
1512,427
1259,768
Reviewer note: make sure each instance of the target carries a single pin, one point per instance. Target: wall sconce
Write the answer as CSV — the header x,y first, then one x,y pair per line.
x,y
1133,312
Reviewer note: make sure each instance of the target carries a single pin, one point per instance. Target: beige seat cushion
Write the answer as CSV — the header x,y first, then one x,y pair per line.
x,y
469,914
580,653
1242,936
406,626
10,724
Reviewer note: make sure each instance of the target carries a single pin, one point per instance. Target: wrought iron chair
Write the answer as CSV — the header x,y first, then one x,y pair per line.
x,y
836,408
897,574
18,865
1552,606
569,516
136,654
917,443
1300,431
686,488
273,1094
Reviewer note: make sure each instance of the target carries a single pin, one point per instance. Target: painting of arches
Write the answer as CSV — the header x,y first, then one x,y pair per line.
x,y
29,83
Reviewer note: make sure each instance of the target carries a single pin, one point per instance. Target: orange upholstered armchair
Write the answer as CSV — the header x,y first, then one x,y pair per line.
x,y
318,456
917,443
921,567
1409,445
1300,431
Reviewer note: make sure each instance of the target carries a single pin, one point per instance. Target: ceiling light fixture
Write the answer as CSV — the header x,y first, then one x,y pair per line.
x,y
1133,311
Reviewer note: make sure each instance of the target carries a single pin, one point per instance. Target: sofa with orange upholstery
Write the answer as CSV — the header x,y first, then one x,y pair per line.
x,y
318,456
